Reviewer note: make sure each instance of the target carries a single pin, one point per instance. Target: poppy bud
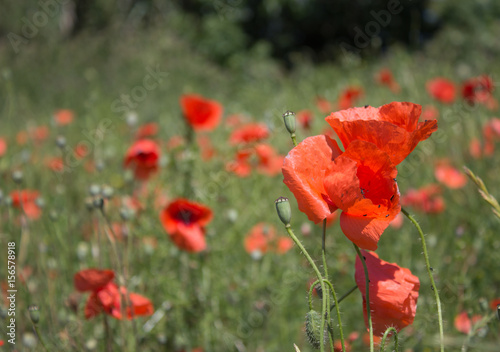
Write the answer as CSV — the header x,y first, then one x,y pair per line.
x,y
34,314
289,118
313,328
17,176
61,141
284,210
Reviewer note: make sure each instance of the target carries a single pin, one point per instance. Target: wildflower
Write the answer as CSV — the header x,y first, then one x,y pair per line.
x,y
360,181
393,293
142,157
249,133
384,77
200,113
442,90
427,199
3,146
63,117
147,130
26,200
185,223
464,324
393,128
304,118
449,176
349,97
479,90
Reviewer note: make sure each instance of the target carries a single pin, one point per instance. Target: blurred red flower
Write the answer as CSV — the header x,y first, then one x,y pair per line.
x,y
241,165
427,199
40,133
55,164
206,147
360,181
304,118
349,96
448,175
384,77
479,90
142,157
3,146
430,112
262,239
26,200
92,279
393,128
393,293
464,324
249,133
63,117
269,161
324,105
441,89
201,114
147,130
185,223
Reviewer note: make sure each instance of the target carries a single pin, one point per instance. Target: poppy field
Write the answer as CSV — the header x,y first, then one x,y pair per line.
x,y
151,200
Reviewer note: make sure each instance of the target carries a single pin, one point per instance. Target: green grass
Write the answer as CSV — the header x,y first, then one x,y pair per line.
x,y
223,300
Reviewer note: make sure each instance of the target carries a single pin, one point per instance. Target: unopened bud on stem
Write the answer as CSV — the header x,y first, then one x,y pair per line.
x,y
284,210
289,118
34,314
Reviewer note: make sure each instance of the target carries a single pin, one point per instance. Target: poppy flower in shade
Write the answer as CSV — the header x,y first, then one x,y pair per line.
x,y
26,200
304,118
464,324
441,89
324,105
241,165
108,299
147,130
393,128
270,162
384,77
349,97
201,114
142,157
360,181
185,223
92,279
249,133
393,293
427,199
449,176
478,90
3,146
63,117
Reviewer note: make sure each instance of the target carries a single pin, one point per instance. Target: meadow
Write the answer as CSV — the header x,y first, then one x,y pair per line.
x,y
69,115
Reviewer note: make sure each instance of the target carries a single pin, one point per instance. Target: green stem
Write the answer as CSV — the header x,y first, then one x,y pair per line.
x,y
320,278
367,282
311,288
344,296
40,337
188,173
331,287
294,139
431,278
386,333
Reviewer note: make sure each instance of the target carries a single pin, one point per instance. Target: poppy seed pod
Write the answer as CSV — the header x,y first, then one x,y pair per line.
x,y
313,328
284,210
34,314
289,119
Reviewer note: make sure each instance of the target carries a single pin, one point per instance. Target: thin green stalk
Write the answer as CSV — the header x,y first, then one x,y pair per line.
x,y
40,337
311,288
367,282
320,278
431,278
331,287
396,343
344,296
294,139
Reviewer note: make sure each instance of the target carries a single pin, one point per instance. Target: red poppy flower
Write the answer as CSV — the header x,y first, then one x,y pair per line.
x,y
491,130
55,164
185,223
40,133
284,245
259,238
385,77
201,114
206,147
26,200
147,130
393,128
360,181
464,324
427,199
441,89
304,118
449,176
249,133
81,150
324,105
393,293
349,97
3,146
269,161
143,157
63,117
478,90
108,299
92,279
430,112
241,165
495,303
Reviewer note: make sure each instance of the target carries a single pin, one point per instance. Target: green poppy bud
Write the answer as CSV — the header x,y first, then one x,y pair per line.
x,y
289,118
313,328
284,210
34,313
